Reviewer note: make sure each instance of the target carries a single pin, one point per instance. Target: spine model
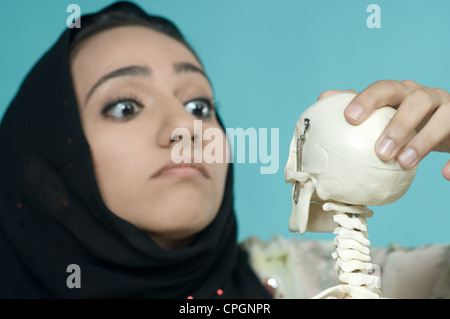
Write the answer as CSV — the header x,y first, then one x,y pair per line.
x,y
352,255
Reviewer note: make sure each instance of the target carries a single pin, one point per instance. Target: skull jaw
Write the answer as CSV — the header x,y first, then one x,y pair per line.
x,y
309,216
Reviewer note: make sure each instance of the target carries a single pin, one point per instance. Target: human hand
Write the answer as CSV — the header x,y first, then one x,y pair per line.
x,y
425,109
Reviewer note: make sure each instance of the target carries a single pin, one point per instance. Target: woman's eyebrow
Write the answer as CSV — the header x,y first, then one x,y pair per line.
x,y
136,70
182,67
133,70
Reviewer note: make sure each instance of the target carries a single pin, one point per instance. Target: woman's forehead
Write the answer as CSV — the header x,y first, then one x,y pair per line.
x,y
130,48
132,45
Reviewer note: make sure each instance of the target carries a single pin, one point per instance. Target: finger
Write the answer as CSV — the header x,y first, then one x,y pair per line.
x,y
415,107
333,92
446,171
378,94
431,135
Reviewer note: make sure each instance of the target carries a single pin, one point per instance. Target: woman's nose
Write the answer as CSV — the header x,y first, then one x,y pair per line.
x,y
177,125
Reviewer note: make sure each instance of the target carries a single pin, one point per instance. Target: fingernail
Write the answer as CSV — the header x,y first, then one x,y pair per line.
x,y
408,157
386,147
355,112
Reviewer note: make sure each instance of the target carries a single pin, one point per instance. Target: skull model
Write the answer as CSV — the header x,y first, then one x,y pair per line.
x,y
333,167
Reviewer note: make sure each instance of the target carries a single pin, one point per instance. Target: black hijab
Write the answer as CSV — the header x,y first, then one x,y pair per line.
x,y
52,214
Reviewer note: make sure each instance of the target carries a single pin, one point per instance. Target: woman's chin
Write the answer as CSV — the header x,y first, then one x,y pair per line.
x,y
178,217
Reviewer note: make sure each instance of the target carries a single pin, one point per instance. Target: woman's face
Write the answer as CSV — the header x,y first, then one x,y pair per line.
x,y
133,85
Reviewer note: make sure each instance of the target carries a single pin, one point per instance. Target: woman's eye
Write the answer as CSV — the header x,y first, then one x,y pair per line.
x,y
121,109
199,107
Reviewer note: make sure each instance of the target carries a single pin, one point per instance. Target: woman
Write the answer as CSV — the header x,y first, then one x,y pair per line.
x,y
88,177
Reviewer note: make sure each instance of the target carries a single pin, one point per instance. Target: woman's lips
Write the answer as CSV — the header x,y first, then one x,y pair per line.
x,y
182,170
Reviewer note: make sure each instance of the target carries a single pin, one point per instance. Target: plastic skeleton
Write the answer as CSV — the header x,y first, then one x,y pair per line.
x,y
336,174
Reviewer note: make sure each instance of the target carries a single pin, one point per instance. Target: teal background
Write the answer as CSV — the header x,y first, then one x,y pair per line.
x,y
268,61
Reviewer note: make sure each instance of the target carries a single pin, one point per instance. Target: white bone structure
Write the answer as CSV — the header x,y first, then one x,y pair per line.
x,y
335,173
